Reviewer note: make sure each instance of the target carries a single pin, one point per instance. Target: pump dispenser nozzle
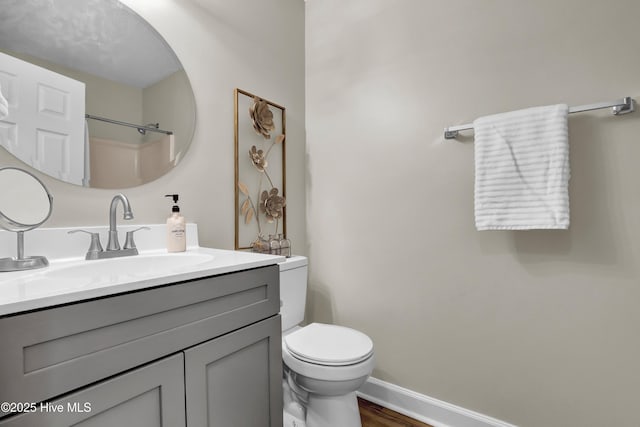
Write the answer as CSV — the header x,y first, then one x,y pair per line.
x,y
175,207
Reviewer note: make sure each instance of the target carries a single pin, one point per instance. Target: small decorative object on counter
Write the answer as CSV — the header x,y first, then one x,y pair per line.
x,y
285,246
176,228
274,244
260,245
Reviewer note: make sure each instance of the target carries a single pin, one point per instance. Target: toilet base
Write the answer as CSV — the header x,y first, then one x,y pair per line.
x,y
332,411
289,420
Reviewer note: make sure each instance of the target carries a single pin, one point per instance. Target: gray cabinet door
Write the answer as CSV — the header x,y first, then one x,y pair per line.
x,y
236,380
151,396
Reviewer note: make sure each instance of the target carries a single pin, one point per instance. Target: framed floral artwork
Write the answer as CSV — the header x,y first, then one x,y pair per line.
x,y
260,163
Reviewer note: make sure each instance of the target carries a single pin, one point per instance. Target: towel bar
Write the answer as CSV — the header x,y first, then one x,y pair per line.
x,y
620,106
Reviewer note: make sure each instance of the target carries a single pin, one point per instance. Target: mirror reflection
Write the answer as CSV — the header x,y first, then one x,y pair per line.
x,y
95,96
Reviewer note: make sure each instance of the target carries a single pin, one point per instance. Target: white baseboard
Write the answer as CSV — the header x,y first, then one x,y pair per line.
x,y
424,408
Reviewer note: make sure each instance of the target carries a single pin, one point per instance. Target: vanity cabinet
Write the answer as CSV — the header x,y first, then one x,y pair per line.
x,y
202,352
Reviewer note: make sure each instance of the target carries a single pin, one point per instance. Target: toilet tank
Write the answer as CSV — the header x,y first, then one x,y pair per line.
x,y
293,290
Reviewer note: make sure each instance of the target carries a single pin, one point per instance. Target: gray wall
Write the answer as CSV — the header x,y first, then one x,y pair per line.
x,y
536,328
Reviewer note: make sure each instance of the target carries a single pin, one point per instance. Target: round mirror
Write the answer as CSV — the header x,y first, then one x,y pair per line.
x,y
96,97
25,202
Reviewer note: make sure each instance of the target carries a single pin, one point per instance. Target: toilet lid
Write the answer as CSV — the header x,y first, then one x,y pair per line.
x,y
329,345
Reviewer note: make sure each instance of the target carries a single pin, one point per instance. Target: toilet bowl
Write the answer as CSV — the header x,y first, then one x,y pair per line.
x,y
323,364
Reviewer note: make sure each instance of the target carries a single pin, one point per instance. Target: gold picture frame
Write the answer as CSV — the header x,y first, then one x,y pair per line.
x,y
260,165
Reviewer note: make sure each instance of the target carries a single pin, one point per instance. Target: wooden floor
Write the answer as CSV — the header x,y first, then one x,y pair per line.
x,y
373,415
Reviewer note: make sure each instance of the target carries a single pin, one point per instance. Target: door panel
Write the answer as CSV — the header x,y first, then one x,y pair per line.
x,y
45,126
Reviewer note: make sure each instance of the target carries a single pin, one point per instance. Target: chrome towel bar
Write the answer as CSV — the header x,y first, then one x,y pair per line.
x,y
620,106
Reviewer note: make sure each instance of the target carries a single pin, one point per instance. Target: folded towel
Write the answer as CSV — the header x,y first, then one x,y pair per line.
x,y
522,169
86,180
4,105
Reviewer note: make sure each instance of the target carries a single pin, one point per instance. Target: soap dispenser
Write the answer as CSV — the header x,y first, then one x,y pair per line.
x,y
176,228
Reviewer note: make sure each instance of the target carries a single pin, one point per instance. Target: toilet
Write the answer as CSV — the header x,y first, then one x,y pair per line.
x,y
323,365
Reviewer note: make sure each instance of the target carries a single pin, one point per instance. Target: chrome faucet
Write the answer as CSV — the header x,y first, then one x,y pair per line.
x,y
113,247
113,244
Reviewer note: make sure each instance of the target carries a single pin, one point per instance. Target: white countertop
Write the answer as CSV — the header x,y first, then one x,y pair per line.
x,y
73,279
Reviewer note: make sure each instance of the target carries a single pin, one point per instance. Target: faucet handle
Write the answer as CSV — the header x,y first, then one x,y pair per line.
x,y
95,247
129,243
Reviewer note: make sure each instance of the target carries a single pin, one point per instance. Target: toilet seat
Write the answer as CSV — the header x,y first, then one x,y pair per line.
x,y
329,345
326,372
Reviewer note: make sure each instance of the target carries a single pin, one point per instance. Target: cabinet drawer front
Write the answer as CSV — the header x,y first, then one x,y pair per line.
x,y
53,351
153,396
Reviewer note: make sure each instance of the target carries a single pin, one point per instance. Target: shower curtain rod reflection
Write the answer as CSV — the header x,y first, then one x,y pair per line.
x,y
141,128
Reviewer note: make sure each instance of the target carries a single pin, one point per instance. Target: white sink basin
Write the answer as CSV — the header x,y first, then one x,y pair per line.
x,y
117,269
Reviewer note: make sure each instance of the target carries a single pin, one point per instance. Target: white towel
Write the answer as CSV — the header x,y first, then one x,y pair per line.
x,y
522,169
86,180
4,105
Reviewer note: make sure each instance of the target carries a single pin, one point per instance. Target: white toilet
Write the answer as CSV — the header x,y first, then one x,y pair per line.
x,y
324,365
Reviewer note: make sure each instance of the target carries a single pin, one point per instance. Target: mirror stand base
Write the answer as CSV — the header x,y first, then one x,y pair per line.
x,y
28,263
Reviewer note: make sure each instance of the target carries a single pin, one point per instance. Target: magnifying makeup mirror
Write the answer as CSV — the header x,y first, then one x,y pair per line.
x,y
25,204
